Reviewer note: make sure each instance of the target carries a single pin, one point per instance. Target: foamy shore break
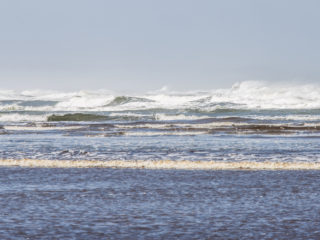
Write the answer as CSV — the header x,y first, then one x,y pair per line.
x,y
161,164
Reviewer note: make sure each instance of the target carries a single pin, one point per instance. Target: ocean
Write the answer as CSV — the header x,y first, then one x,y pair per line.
x,y
237,163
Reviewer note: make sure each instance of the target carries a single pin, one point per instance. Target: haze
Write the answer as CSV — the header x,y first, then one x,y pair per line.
x,y
144,45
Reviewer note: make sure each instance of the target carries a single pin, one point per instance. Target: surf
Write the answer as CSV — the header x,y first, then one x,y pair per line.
x,y
244,95
160,164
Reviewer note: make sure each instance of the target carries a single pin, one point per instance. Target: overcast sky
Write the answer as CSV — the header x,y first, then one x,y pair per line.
x,y
140,45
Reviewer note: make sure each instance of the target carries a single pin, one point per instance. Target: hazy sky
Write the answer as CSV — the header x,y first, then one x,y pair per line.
x,y
139,45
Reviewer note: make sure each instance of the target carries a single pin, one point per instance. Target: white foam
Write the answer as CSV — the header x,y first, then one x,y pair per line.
x,y
161,164
40,128
261,95
84,103
244,95
8,94
287,117
129,114
16,117
166,117
11,107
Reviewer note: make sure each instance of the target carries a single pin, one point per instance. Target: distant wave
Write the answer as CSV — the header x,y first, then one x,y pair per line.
x,y
244,95
190,117
76,117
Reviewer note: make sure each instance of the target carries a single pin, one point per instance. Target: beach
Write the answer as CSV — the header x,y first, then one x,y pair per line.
x,y
232,163
163,119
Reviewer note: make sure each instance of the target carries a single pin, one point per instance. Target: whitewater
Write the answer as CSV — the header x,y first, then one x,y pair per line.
x,y
249,122
244,95
219,163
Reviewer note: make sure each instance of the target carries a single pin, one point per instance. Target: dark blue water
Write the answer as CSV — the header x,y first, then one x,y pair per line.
x,y
248,123
151,204
202,147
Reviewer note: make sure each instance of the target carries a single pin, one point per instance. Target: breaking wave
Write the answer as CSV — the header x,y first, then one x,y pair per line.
x,y
22,117
244,95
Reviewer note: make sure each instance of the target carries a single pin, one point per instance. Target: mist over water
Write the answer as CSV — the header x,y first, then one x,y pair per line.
x,y
244,95
97,155
222,163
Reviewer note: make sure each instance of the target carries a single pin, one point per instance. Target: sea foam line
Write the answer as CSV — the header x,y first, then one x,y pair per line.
x,y
160,164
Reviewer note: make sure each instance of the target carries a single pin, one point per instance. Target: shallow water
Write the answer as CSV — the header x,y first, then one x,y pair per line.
x,y
158,204
249,126
249,122
194,148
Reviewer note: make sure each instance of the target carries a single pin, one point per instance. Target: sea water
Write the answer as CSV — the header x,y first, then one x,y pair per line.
x,y
181,133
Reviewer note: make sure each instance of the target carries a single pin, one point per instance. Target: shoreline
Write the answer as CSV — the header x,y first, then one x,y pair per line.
x,y
160,164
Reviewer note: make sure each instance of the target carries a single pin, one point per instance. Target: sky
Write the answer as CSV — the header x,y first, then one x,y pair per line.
x,y
144,45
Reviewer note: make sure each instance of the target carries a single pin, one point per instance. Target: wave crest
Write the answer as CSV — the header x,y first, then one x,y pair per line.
x,y
244,95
